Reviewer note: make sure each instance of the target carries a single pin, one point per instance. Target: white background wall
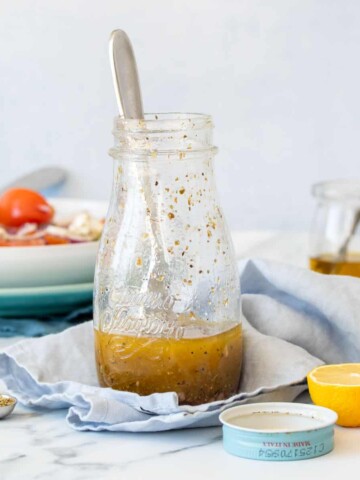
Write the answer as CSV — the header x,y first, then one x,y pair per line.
x,y
280,77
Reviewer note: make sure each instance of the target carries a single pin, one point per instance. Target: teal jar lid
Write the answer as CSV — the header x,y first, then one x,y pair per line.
x,y
278,431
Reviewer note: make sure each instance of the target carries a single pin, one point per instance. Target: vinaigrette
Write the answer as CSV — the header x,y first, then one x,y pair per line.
x,y
199,370
329,264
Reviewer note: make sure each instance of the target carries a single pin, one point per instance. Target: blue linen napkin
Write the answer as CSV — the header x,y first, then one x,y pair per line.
x,y
294,320
38,327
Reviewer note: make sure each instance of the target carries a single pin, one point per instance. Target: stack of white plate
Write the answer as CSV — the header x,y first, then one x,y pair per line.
x,y
51,279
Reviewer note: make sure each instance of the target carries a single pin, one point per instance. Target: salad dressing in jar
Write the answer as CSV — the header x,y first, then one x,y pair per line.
x,y
335,238
167,298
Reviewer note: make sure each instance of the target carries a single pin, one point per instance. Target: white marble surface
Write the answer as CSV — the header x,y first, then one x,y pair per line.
x,y
39,445
36,445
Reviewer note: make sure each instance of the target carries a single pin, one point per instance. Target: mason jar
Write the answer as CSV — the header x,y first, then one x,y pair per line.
x,y
167,297
335,232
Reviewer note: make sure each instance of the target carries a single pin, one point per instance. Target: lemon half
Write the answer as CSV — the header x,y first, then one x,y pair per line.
x,y
337,387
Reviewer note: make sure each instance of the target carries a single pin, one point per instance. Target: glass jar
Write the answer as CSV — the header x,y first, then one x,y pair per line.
x,y
167,296
335,236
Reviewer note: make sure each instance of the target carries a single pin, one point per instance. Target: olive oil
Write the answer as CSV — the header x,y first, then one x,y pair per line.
x,y
329,264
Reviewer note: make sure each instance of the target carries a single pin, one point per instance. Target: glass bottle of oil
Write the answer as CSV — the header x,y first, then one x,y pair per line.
x,y
335,239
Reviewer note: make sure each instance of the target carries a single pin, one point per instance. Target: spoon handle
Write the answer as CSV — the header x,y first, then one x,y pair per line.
x,y
125,75
40,179
344,247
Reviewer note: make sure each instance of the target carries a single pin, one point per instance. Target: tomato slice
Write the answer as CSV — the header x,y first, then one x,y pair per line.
x,y
22,243
20,205
54,240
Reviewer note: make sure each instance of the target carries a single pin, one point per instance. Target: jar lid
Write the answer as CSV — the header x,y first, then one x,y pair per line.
x,y
278,431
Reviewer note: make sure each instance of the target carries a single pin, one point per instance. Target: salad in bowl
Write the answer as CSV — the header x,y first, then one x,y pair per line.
x,y
28,219
47,242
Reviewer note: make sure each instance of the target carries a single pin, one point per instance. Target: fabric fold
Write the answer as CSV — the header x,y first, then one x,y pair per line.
x,y
294,320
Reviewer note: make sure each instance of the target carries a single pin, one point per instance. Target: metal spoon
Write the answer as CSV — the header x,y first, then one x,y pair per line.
x,y
342,252
40,179
128,95
125,75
